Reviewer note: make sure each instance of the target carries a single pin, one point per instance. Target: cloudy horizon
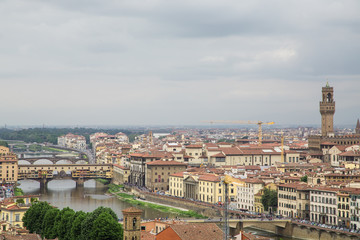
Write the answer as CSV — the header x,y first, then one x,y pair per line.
x,y
161,62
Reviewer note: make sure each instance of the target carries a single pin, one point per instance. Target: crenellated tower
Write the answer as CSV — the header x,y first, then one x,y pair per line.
x,y
327,111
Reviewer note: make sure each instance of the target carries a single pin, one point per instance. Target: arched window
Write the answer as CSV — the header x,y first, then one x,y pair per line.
x,y
329,97
134,223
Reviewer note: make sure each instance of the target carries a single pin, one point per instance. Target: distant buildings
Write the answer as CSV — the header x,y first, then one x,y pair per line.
x,y
72,141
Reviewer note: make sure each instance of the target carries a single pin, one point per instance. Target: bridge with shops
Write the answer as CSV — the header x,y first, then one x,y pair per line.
x,y
78,172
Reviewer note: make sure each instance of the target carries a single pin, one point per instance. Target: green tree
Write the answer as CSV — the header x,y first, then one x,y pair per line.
x,y
105,227
75,231
34,216
62,222
304,178
269,199
48,224
87,224
4,143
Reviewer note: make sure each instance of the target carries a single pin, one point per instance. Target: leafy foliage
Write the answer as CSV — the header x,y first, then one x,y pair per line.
x,y
75,231
88,223
106,227
34,217
304,179
4,143
67,224
269,199
41,135
48,224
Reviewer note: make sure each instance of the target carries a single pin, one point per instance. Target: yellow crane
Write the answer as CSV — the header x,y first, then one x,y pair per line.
x,y
259,123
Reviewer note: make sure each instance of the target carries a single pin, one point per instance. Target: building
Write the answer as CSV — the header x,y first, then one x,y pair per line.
x,y
288,199
158,173
327,111
323,205
132,223
8,166
12,210
246,193
138,165
121,174
343,202
354,209
72,141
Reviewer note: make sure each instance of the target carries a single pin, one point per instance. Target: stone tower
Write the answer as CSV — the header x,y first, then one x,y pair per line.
x,y
357,128
327,110
132,222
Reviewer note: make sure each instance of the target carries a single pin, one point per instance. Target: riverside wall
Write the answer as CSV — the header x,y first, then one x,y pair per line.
x,y
181,203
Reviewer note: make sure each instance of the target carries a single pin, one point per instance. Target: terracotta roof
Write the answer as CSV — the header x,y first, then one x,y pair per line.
x,y
132,210
167,163
147,236
179,174
199,231
210,178
194,146
232,151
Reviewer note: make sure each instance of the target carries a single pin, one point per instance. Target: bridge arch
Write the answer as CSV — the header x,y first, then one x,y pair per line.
x,y
64,161
24,162
43,162
81,162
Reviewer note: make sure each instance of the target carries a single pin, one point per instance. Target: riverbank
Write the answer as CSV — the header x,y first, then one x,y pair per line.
x,y
117,191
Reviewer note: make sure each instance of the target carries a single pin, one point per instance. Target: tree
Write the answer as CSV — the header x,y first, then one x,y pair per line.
x,y
4,143
34,217
75,232
269,199
48,224
87,224
304,178
105,227
62,222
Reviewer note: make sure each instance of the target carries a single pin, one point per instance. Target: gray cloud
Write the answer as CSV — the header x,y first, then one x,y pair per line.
x,y
174,62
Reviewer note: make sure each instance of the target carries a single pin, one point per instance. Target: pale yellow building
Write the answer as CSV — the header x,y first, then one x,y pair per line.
x,y
8,166
12,211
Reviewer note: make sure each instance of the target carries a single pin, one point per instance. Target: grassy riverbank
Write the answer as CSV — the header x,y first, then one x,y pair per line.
x,y
103,181
130,199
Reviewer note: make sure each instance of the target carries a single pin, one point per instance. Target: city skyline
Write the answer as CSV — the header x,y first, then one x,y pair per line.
x,y
179,63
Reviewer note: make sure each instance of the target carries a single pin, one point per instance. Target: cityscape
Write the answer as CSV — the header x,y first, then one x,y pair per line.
x,y
179,120
227,183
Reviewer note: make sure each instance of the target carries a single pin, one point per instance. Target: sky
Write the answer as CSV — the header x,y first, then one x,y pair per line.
x,y
154,62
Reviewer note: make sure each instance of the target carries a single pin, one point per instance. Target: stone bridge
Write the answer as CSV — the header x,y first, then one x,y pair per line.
x,y
287,228
78,172
55,159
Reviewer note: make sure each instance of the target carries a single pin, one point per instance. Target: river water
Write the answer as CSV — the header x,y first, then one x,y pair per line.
x,y
63,193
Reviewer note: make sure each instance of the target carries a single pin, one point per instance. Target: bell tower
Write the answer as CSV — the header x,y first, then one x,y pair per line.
x,y
327,110
132,223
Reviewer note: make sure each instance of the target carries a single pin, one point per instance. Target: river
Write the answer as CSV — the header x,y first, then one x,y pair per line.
x,y
63,193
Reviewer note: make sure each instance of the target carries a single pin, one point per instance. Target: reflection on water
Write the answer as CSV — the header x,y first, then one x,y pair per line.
x,y
266,234
63,193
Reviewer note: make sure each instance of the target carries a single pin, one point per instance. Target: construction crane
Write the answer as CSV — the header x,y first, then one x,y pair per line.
x,y
259,123
227,180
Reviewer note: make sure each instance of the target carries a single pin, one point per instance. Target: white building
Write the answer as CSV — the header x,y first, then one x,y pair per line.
x,y
323,205
72,141
246,193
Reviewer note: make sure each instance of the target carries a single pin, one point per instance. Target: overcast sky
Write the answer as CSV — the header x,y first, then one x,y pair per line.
x,y
85,62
